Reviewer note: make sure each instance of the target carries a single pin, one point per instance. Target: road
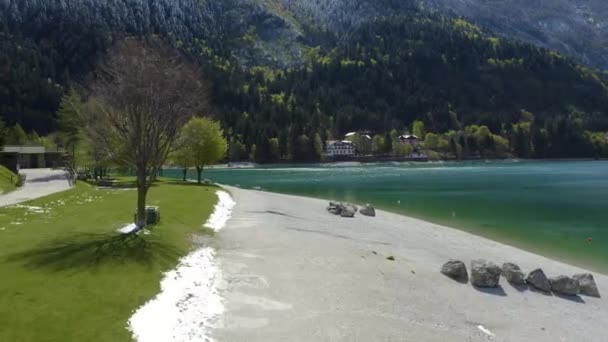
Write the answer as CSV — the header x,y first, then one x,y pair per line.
x,y
38,183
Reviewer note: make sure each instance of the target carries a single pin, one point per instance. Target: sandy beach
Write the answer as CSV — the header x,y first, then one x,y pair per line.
x,y
293,272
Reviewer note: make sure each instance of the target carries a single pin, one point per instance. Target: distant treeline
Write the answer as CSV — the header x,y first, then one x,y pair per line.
x,y
474,93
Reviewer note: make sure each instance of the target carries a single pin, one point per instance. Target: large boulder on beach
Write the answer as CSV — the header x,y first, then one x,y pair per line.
x,y
485,273
455,269
369,210
513,274
335,208
342,209
587,284
564,285
348,211
538,280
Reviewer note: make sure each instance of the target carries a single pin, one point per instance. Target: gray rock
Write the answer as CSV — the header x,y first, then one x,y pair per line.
x,y
587,284
564,285
347,212
455,269
335,208
538,280
369,210
335,211
513,274
341,209
351,207
485,273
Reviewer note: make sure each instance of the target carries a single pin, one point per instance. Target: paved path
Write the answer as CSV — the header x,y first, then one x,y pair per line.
x,y
38,183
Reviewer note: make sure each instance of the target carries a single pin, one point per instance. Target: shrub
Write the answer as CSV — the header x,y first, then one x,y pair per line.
x,y
20,181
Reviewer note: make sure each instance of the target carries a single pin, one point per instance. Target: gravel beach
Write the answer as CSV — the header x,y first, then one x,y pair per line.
x,y
294,272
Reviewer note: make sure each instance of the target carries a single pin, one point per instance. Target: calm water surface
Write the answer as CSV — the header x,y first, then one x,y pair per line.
x,y
550,208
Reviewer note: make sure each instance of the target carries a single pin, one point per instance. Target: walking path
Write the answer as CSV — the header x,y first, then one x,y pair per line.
x,y
38,183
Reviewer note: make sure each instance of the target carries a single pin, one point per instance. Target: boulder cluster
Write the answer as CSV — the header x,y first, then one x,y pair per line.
x,y
487,274
349,210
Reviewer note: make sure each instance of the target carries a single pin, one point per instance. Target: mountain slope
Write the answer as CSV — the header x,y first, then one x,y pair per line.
x,y
574,27
287,75
578,28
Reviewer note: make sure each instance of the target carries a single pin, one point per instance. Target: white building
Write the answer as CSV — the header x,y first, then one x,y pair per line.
x,y
410,139
338,148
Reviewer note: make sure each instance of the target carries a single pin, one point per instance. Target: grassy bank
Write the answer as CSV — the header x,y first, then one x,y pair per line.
x,y
68,276
8,180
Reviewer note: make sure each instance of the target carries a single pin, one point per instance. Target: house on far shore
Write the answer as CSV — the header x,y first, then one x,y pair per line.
x,y
31,157
337,148
410,139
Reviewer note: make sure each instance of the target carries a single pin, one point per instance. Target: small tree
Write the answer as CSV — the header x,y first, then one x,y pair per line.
x,y
15,135
182,157
418,129
402,149
202,143
318,147
274,148
143,94
69,117
378,144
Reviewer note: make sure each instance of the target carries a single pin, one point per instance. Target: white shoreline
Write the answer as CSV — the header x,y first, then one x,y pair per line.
x,y
189,303
295,272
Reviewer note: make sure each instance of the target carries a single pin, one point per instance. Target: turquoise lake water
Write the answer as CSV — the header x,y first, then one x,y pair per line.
x,y
551,208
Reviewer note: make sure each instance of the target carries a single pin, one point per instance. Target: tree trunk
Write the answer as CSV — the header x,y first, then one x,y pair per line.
x,y
199,170
185,171
142,191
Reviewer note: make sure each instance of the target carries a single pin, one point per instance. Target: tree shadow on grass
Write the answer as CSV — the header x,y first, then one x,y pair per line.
x,y
90,251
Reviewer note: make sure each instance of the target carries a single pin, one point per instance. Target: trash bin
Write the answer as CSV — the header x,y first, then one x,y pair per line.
x,y
152,215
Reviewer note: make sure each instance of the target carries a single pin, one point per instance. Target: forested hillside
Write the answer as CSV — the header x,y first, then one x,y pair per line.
x,y
283,82
577,28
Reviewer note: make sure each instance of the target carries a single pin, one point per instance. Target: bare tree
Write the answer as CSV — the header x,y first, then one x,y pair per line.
x,y
144,93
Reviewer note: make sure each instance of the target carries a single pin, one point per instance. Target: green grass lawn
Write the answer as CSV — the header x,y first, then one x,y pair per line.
x,y
8,180
66,275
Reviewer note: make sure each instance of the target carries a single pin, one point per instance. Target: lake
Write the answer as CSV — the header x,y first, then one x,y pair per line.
x,y
558,209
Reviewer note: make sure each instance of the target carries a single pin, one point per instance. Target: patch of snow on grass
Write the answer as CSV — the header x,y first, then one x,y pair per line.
x,y
37,210
128,229
189,304
222,212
